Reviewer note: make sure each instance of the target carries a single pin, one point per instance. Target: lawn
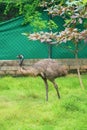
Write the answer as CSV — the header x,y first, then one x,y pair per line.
x,y
23,105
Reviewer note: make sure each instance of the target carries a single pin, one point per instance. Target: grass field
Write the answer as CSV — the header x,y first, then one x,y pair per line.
x,y
23,105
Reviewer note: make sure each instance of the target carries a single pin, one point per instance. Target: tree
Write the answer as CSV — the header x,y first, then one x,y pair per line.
x,y
74,13
27,8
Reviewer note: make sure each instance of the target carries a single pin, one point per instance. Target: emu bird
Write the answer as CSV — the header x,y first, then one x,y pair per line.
x,y
47,69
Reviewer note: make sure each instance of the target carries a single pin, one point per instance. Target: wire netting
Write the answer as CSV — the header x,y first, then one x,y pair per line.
x,y
12,43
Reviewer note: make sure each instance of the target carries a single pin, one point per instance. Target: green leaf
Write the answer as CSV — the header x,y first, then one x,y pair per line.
x,y
84,1
52,25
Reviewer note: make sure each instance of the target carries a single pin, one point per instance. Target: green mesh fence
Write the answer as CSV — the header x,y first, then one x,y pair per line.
x,y
12,43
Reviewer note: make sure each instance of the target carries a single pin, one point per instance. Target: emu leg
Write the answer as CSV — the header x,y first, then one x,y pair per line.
x,y
46,85
56,87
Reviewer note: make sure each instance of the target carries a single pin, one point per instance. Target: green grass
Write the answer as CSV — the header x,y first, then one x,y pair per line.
x,y
23,105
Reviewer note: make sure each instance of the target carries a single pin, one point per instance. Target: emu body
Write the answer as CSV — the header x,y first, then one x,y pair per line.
x,y
47,69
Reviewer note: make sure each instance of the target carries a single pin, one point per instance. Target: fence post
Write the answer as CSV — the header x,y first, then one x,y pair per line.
x,y
49,51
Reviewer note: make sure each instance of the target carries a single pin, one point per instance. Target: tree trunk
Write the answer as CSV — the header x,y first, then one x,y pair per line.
x,y
49,51
78,71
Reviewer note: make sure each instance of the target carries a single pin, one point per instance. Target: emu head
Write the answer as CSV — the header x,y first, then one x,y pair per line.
x,y
21,59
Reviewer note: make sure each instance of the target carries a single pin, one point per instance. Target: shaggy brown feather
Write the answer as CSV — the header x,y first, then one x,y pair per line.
x,y
47,69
